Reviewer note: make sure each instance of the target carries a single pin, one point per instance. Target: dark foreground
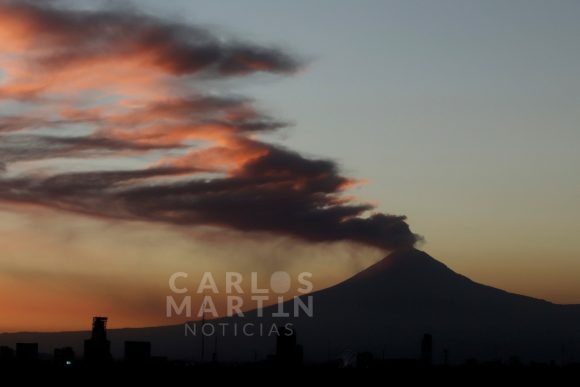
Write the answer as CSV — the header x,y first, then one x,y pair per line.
x,y
377,374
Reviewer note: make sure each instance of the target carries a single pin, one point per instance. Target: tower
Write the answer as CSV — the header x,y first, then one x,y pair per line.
x,y
98,348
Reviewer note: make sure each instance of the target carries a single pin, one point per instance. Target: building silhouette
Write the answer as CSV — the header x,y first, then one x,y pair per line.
x,y
288,352
98,348
64,356
137,352
6,355
26,352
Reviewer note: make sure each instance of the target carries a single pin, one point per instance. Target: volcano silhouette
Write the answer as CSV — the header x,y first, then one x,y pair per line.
x,y
385,310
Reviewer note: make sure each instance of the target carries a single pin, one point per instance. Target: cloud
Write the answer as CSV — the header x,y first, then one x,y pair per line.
x,y
86,88
63,38
36,147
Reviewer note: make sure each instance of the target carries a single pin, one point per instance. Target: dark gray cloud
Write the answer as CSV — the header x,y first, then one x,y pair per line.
x,y
75,36
281,193
234,180
34,147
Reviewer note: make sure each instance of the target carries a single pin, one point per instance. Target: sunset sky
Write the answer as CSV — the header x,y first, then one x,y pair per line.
x,y
261,136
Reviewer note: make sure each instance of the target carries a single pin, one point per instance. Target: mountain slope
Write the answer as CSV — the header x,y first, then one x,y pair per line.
x,y
392,303
385,310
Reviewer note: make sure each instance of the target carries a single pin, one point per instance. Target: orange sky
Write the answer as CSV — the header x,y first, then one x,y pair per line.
x,y
102,132
79,267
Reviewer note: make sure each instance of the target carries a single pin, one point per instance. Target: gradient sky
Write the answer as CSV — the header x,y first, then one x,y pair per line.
x,y
462,115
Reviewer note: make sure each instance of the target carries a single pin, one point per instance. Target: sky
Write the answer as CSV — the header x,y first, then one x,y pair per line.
x,y
460,115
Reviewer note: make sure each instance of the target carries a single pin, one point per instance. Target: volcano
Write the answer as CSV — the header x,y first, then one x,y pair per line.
x,y
385,310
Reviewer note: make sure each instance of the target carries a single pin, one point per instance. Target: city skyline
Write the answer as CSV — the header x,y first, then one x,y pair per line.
x,y
461,116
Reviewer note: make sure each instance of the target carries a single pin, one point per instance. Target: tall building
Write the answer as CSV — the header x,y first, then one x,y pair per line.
x,y
98,348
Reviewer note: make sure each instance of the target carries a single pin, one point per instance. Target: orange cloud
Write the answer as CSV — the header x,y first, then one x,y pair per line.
x,y
87,88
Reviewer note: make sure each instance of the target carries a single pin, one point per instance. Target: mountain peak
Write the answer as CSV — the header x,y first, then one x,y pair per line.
x,y
406,263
